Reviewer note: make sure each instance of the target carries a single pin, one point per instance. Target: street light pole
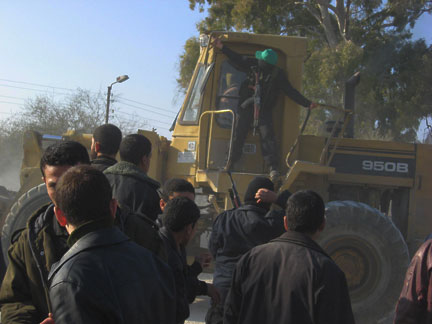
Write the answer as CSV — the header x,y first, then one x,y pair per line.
x,y
119,79
108,103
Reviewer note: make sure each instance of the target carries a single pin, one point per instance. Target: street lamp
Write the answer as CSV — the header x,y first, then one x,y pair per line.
x,y
120,79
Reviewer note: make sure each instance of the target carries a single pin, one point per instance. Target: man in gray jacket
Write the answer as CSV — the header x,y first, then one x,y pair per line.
x,y
128,178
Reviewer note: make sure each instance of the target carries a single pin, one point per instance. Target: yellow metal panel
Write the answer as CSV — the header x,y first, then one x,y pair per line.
x,y
420,220
180,161
373,180
307,168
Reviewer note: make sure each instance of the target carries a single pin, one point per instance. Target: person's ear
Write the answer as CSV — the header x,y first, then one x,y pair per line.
x,y
60,216
113,208
285,223
162,204
97,147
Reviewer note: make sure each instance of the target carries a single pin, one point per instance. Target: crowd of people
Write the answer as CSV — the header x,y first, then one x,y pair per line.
x,y
110,247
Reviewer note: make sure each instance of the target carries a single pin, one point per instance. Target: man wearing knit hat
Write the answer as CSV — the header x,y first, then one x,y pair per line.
x,y
263,74
236,231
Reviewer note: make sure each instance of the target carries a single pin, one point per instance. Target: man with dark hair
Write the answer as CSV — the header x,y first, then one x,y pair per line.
x,y
129,181
23,293
104,277
105,145
179,219
174,188
290,279
236,231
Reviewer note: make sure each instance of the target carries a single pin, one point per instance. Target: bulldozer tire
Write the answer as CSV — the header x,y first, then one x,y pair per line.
x,y
373,254
19,213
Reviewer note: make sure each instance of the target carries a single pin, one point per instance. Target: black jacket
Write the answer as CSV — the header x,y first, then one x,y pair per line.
x,y
234,233
289,280
176,260
134,189
141,230
103,162
106,278
188,286
272,83
39,246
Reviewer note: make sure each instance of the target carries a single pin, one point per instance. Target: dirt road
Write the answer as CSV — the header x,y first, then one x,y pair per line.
x,y
201,304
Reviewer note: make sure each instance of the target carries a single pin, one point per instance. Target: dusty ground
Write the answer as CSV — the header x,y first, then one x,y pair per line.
x,y
199,308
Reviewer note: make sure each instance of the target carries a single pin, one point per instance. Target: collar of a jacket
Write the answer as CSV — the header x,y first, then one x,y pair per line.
x,y
170,239
88,227
99,238
299,239
253,208
42,218
130,169
102,159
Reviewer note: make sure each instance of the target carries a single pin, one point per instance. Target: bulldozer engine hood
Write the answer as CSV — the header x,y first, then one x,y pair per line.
x,y
131,170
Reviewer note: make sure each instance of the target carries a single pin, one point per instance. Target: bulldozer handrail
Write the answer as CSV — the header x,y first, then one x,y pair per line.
x,y
212,113
347,117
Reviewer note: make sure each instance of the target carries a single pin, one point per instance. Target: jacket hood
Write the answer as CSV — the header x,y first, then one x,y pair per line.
x,y
131,170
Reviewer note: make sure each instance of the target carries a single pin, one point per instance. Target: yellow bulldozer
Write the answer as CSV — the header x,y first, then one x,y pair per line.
x,y
377,193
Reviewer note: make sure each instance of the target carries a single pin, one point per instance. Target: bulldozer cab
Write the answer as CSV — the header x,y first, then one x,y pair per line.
x,y
203,132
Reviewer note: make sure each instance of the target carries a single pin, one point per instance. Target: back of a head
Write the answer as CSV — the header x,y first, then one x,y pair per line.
x,y
282,198
305,212
64,153
84,194
134,147
176,185
180,212
254,185
109,138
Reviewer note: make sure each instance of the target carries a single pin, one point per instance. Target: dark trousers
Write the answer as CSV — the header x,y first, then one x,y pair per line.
x,y
244,122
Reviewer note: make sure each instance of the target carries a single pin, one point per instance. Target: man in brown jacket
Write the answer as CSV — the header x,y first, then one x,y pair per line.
x,y
415,301
23,294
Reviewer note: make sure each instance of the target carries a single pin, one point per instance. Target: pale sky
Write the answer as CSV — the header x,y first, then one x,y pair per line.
x,y
87,44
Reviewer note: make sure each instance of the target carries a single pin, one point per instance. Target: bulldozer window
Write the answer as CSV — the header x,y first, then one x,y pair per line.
x,y
228,92
191,112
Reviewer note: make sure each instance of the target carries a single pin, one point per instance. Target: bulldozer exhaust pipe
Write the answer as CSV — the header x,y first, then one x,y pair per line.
x,y
349,101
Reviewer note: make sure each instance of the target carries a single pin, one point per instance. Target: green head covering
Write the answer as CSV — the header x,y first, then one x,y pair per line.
x,y
267,55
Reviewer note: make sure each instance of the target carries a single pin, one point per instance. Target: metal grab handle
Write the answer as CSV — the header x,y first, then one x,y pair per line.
x,y
297,139
212,113
335,108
